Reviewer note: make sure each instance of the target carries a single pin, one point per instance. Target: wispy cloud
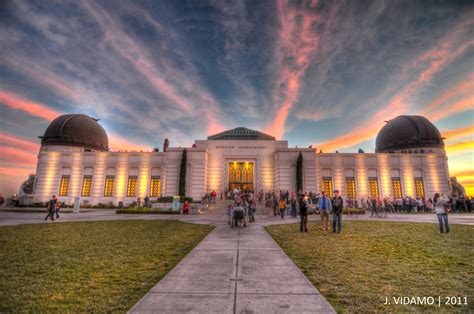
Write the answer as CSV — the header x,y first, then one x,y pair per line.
x,y
16,102
297,44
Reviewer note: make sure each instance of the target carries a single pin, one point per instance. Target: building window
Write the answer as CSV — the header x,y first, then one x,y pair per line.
x,y
351,187
419,187
132,186
155,186
374,187
327,186
396,187
86,186
64,187
109,186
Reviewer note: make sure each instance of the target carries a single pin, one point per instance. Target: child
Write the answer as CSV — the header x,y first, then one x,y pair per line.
x,y
230,210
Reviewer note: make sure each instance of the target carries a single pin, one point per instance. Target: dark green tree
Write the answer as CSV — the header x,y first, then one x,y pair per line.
x,y
182,175
299,172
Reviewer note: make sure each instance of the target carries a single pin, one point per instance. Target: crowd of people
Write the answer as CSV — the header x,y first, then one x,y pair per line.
x,y
278,203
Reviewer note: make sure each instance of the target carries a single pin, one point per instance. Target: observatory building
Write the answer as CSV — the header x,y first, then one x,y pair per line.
x,y
75,161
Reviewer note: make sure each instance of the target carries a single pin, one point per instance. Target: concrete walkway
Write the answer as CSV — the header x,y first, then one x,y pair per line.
x,y
239,270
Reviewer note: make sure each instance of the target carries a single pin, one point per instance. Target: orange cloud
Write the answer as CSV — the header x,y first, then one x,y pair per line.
x,y
458,133
35,109
465,86
460,147
452,108
433,60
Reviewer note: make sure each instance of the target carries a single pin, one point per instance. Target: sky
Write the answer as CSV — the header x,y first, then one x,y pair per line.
x,y
321,73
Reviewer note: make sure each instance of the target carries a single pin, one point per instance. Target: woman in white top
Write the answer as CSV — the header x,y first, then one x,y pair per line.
x,y
440,204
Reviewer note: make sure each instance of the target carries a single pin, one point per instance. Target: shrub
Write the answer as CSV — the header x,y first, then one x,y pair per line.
x,y
138,210
169,199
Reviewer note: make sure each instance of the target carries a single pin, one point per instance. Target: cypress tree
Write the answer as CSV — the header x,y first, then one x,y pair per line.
x,y
299,173
182,175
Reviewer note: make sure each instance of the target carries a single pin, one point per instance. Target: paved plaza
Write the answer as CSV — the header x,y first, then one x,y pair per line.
x,y
233,270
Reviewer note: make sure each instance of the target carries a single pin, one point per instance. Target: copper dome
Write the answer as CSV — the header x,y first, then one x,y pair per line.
x,y
76,130
408,132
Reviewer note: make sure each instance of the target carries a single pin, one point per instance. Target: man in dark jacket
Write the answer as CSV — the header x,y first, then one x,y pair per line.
x,y
303,214
51,208
337,207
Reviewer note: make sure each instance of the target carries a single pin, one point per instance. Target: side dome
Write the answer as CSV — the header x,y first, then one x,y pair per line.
x,y
76,130
408,132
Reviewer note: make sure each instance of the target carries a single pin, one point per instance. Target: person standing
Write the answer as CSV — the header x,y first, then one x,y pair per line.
x,y
337,208
303,214
229,214
324,206
293,205
186,207
51,208
282,207
441,202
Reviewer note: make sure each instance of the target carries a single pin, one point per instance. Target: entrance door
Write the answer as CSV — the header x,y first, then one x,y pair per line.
x,y
241,176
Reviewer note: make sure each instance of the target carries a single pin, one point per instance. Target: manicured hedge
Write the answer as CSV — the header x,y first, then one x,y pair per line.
x,y
169,199
141,211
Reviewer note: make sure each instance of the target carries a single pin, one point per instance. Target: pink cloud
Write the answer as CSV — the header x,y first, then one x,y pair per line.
x,y
18,142
33,108
433,61
17,156
17,172
296,42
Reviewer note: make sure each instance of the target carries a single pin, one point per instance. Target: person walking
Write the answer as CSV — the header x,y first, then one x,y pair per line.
x,y
282,207
324,205
441,202
303,214
337,208
293,205
57,207
51,208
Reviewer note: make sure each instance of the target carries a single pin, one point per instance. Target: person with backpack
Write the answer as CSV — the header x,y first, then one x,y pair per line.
x,y
337,208
303,214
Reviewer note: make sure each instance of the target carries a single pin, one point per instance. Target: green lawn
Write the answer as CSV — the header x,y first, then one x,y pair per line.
x,y
100,266
369,261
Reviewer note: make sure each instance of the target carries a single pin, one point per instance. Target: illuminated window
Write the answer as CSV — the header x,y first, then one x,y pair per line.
x,y
327,186
109,186
350,187
64,187
374,187
132,186
155,186
396,187
86,186
419,187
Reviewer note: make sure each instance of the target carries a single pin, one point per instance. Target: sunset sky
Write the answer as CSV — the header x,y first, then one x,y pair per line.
x,y
316,73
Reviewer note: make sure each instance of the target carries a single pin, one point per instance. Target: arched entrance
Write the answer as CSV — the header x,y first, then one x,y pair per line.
x,y
241,175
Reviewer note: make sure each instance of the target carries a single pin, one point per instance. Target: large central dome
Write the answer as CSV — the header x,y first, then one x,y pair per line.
x,y
76,130
241,133
408,132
